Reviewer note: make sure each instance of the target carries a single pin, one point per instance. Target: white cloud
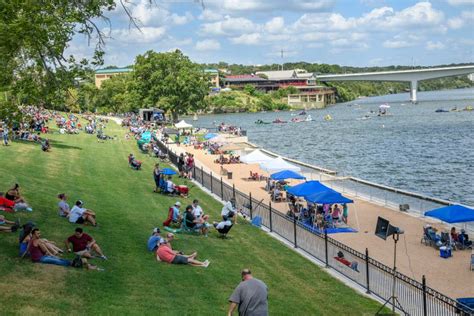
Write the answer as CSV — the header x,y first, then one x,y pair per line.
x,y
133,35
455,23
248,39
243,6
396,44
275,25
229,26
151,14
461,2
210,15
430,45
207,45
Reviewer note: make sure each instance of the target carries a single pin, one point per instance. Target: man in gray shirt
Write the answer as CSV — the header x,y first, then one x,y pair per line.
x,y
251,295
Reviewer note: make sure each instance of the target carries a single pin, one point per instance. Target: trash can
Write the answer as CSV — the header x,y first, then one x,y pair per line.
x,y
229,175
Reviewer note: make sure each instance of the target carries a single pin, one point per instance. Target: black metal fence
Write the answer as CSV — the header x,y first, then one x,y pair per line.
x,y
416,298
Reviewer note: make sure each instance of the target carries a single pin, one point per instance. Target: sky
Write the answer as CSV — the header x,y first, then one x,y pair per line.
x,y
254,32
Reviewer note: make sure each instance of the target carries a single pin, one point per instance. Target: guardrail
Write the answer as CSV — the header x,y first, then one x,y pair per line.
x,y
376,278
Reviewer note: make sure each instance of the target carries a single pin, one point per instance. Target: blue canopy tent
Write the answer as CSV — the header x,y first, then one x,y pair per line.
x,y
308,188
286,174
168,172
452,214
210,135
328,197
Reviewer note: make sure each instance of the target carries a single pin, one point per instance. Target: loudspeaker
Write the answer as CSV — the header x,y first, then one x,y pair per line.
x,y
384,229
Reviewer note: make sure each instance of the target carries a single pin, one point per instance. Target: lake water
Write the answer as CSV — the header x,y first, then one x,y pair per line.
x,y
414,148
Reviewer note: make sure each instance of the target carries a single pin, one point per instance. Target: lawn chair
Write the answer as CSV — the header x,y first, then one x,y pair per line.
x,y
224,231
447,241
190,230
426,239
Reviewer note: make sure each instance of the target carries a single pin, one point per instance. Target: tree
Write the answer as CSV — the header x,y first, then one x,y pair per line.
x,y
170,81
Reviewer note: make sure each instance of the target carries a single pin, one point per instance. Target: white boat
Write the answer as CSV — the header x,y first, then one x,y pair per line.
x,y
308,118
195,117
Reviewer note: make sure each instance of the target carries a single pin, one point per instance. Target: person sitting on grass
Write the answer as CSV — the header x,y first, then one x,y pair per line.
x,y
26,236
6,204
198,212
45,146
174,217
83,245
166,254
14,195
63,206
194,223
80,215
134,163
154,239
40,254
7,226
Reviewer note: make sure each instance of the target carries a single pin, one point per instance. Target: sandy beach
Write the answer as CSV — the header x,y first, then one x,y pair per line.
x,y
450,276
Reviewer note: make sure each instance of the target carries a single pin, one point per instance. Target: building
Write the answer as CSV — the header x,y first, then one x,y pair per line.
x,y
213,77
286,78
104,74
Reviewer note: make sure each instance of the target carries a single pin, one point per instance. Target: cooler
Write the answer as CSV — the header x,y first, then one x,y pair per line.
x,y
182,189
444,252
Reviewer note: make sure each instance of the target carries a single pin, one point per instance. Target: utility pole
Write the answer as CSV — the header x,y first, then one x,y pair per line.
x,y
282,59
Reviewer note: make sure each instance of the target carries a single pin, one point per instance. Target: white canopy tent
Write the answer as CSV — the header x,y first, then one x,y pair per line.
x,y
278,164
182,125
256,156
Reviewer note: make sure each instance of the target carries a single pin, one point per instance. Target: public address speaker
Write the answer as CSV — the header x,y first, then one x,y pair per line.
x,y
384,229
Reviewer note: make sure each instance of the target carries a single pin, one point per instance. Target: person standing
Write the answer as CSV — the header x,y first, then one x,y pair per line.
x,y
345,213
181,163
157,177
251,295
5,135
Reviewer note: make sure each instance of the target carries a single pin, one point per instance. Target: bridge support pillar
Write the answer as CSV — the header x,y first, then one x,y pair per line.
x,y
413,89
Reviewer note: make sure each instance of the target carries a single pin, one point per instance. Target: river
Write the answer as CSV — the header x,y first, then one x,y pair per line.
x,y
414,148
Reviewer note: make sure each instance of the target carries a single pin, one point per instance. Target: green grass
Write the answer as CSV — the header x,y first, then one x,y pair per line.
x,y
127,210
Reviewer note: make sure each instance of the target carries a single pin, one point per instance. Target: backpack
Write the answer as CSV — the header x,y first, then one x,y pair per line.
x,y
77,262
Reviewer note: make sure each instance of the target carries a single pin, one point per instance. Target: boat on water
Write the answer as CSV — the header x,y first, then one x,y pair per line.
x,y
195,117
328,117
441,111
279,121
383,110
297,120
259,121
302,113
308,118
469,108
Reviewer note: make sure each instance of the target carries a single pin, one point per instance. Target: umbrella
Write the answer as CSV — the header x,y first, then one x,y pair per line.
x,y
286,174
328,197
210,135
256,156
308,188
168,172
452,214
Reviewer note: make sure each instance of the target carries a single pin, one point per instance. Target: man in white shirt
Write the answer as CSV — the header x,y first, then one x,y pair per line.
x,y
229,208
80,215
170,186
197,210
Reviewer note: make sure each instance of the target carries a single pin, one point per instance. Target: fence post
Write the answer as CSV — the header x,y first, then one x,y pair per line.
x,y
222,190
423,282
326,247
294,231
194,172
367,270
211,181
202,176
250,205
233,190
270,210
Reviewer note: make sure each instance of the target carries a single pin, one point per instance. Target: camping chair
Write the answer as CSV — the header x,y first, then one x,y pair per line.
x,y
426,239
447,241
186,229
224,231
472,260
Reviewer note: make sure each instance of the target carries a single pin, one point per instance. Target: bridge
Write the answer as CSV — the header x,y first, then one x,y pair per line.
x,y
412,76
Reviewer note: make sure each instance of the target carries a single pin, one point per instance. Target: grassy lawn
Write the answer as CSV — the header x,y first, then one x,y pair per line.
x,y
127,210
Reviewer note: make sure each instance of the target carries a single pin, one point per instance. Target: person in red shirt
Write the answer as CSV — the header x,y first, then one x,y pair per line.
x,y
167,254
83,244
6,204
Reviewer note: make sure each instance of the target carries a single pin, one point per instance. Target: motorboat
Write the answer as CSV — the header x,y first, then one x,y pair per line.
x,y
328,117
279,121
469,108
259,121
297,120
308,118
441,111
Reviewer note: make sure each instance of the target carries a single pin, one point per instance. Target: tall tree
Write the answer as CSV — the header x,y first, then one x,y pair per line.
x,y
170,81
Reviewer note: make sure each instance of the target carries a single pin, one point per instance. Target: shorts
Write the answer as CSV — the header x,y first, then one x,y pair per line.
x,y
180,260
80,220
82,252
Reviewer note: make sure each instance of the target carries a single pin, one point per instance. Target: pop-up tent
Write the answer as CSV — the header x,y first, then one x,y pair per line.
x,y
256,156
168,172
182,125
328,197
210,135
308,188
452,214
286,174
278,164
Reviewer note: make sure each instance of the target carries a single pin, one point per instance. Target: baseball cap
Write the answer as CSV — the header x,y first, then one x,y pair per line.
x,y
156,230
178,203
163,241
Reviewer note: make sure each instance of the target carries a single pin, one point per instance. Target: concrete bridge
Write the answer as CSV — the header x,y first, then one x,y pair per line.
x,y
412,76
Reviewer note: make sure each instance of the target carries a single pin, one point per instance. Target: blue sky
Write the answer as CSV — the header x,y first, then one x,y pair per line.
x,y
345,32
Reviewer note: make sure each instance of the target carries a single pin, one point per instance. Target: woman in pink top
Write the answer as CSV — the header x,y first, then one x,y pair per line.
x,y
336,213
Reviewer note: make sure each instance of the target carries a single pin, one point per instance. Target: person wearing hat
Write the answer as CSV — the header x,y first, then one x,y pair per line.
x,y
167,254
80,215
63,206
251,295
155,237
